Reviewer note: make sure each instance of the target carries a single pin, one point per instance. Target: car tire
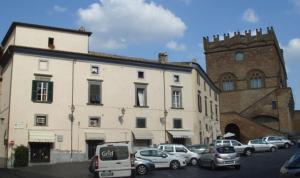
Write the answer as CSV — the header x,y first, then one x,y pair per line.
x,y
96,174
213,166
194,162
248,152
237,167
174,165
141,169
286,145
272,149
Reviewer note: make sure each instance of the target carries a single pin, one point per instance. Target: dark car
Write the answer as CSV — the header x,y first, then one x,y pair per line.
x,y
142,166
291,168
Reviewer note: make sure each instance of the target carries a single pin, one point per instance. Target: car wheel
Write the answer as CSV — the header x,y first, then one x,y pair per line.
x,y
194,161
248,152
237,167
174,165
213,166
272,149
142,170
96,174
286,145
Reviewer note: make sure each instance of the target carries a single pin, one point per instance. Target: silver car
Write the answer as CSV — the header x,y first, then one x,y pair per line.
x,y
261,145
291,168
278,140
220,156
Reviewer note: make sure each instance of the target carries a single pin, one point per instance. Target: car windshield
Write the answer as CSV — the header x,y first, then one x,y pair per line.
x,y
226,149
294,162
114,153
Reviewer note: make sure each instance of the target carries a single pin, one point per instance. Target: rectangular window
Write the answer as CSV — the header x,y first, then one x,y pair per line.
x,y
94,92
177,123
199,102
274,104
41,120
140,95
176,97
204,86
209,91
140,122
176,78
94,69
211,110
198,79
206,106
43,65
94,122
51,42
42,91
216,110
216,96
140,74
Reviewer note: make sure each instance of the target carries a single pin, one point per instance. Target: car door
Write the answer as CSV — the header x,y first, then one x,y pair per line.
x,y
237,146
163,159
182,152
257,146
263,145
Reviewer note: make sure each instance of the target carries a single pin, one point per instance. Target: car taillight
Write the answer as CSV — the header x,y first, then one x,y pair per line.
x,y
217,156
132,158
96,162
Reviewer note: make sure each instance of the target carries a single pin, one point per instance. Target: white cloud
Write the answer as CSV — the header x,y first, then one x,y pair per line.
x,y
250,16
292,50
58,8
173,45
117,23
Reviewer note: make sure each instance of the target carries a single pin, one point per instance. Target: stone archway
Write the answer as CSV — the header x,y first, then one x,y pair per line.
x,y
233,128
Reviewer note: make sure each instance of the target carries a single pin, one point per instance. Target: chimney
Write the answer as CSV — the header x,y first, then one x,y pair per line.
x,y
163,57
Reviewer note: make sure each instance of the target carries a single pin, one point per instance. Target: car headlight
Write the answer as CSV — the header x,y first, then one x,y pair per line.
x,y
283,170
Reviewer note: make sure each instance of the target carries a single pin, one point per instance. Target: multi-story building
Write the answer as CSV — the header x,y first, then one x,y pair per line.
x,y
61,100
250,71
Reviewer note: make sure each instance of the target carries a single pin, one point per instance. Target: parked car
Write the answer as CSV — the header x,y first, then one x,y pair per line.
x,y
181,151
161,159
260,145
143,166
200,148
113,160
220,156
278,141
291,168
239,147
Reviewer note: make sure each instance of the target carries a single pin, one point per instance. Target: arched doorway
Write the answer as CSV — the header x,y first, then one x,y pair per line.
x,y
233,128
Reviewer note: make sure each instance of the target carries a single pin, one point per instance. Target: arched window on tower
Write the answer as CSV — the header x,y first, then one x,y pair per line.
x,y
228,82
256,79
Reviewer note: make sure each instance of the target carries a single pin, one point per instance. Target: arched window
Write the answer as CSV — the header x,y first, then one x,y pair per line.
x,y
239,56
256,79
228,82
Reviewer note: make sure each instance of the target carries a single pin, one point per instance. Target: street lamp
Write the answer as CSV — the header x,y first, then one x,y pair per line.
x,y
71,117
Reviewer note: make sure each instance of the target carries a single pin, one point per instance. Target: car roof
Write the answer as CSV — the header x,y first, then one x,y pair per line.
x,y
144,149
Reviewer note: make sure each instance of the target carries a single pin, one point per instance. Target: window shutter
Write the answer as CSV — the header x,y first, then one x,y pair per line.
x,y
33,91
50,92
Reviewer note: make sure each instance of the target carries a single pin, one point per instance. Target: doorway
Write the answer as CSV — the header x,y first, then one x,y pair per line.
x,y
92,145
39,152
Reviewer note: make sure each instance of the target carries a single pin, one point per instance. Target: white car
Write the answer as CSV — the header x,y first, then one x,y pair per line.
x,y
161,159
113,160
181,151
278,141
260,145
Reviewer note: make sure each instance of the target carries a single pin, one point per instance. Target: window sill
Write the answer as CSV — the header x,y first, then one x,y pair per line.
x,y
45,102
177,108
94,104
140,106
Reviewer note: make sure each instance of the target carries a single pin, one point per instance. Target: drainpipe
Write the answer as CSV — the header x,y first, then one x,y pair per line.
x,y
165,110
72,109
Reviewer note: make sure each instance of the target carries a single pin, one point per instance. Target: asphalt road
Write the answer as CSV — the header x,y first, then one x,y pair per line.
x,y
260,165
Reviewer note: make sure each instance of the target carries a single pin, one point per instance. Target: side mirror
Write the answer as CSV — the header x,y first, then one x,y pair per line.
x,y
164,155
185,151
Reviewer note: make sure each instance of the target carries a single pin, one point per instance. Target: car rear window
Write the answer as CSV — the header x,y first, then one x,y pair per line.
x,y
114,153
225,150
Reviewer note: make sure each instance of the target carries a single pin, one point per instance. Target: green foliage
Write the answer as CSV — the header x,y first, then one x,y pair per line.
x,y
21,156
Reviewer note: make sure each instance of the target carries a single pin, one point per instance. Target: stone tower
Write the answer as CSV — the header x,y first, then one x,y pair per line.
x,y
250,71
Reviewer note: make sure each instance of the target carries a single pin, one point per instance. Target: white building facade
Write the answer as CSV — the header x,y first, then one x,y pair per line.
x,y
61,100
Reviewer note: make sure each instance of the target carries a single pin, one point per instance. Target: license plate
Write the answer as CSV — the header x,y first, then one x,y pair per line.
x,y
229,162
107,174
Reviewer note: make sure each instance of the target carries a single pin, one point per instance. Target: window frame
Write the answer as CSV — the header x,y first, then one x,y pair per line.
x,y
95,82
199,102
47,66
40,115
178,104
144,87
95,66
48,93
239,56
143,75
137,122
176,78
95,117
176,120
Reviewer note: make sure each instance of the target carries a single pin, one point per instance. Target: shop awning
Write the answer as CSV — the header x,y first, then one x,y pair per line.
x,y
142,135
94,136
181,133
41,136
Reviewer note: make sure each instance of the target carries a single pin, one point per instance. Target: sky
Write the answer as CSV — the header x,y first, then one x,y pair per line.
x,y
143,28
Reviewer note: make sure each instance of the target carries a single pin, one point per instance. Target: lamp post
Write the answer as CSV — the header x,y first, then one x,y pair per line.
x,y
165,116
72,120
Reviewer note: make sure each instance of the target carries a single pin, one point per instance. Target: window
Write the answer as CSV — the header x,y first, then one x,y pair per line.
x,y
114,153
94,122
180,149
204,86
176,97
176,78
211,110
216,110
228,82
140,74
43,65
209,91
169,148
41,120
140,122
198,79
42,91
235,143
51,42
206,127
216,96
94,92
256,79
140,95
199,102
274,104
95,69
206,106
239,56
177,123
